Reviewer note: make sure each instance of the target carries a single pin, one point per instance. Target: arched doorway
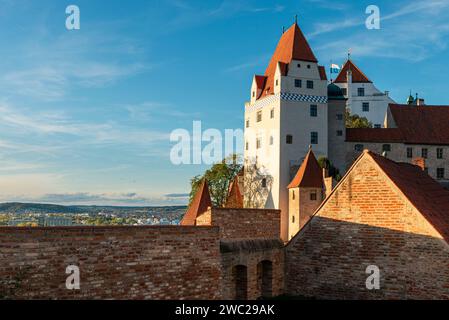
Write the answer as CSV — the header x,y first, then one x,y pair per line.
x,y
265,278
240,277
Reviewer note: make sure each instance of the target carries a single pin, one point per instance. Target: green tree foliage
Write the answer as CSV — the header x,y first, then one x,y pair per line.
x,y
355,121
326,164
219,176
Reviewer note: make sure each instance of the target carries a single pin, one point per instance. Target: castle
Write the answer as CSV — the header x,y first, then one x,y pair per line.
x,y
302,233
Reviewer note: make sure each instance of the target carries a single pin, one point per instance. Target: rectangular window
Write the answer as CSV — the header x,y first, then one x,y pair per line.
x,y
247,146
386,147
358,147
254,94
409,152
439,153
339,116
344,91
293,219
259,116
361,92
314,137
258,143
313,110
298,83
293,194
424,153
272,113
271,140
309,84
277,82
377,126
247,123
289,139
339,133
313,196
365,106
264,183
440,173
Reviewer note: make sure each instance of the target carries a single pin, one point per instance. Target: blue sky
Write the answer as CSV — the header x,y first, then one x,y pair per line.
x,y
85,115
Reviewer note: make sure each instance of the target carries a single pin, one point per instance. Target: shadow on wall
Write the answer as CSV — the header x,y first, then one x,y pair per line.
x,y
328,259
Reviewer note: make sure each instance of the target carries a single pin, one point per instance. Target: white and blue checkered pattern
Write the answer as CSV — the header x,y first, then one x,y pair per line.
x,y
303,97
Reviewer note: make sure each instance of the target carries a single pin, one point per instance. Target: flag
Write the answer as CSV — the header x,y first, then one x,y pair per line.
x,y
335,68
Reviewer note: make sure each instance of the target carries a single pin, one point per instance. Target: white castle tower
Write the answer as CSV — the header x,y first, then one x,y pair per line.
x,y
286,115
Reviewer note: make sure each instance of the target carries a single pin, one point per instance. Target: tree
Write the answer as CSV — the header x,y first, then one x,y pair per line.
x,y
325,163
355,121
219,176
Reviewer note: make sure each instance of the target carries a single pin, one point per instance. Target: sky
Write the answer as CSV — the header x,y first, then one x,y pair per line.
x,y
86,115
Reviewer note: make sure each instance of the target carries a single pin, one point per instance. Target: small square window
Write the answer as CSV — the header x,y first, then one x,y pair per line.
x,y
361,92
386,147
365,106
440,173
344,91
409,152
272,113
308,66
298,83
339,117
358,147
289,139
314,137
309,84
439,153
313,196
313,110
259,116
339,133
424,153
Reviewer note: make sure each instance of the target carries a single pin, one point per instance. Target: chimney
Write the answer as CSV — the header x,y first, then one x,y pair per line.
x,y
420,162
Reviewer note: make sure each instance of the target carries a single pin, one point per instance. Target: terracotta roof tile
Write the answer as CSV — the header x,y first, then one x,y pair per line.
x,y
309,175
292,46
201,202
426,194
422,124
374,135
322,71
357,75
235,197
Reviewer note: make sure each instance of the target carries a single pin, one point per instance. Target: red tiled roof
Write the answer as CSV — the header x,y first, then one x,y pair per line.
x,y
235,198
426,194
292,46
374,135
422,124
415,125
357,75
201,202
260,81
322,71
309,175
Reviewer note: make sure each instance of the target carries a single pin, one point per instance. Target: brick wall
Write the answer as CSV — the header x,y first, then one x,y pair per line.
x,y
157,262
368,222
247,223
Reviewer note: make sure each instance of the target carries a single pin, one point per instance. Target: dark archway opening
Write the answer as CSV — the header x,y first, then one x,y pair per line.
x,y
265,278
240,276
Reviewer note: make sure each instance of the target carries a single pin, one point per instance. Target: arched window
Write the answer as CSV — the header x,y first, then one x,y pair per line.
x,y
265,278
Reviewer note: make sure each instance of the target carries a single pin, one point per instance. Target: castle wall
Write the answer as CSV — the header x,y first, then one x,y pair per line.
x,y
244,224
366,221
155,262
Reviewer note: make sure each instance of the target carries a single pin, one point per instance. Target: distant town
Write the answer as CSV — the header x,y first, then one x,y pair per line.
x,y
46,215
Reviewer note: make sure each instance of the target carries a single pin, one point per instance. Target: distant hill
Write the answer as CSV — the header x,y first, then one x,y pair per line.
x,y
24,208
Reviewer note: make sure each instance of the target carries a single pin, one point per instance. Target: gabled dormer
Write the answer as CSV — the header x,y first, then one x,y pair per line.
x,y
257,87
